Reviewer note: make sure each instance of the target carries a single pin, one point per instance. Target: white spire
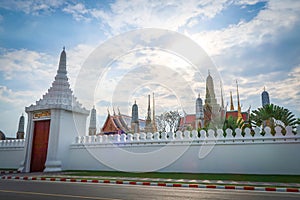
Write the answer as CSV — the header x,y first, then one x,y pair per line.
x,y
59,95
93,122
20,133
153,115
62,67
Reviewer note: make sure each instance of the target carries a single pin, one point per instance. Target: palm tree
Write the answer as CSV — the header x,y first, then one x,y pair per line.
x,y
233,123
272,115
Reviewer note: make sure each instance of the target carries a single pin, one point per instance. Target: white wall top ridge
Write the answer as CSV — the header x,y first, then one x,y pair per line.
x,y
18,143
59,95
209,137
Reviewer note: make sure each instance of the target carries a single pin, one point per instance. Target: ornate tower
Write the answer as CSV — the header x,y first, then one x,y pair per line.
x,y
93,121
210,97
20,133
135,126
199,113
211,107
148,127
265,100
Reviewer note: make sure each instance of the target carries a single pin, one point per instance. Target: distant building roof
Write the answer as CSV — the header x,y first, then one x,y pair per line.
x,y
234,114
187,121
118,124
2,136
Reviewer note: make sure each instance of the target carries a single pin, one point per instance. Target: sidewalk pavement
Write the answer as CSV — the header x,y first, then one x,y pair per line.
x,y
217,184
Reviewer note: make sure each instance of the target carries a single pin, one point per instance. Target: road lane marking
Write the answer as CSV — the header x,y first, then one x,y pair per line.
x,y
55,195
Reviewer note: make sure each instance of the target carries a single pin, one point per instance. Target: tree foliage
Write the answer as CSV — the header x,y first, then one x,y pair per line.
x,y
233,123
272,115
161,123
168,120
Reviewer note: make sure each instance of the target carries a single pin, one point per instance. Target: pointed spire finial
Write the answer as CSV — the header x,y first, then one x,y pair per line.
x,y
108,111
64,48
222,99
153,115
208,72
231,102
237,93
149,110
114,111
119,113
238,99
199,95
149,102
62,66
264,88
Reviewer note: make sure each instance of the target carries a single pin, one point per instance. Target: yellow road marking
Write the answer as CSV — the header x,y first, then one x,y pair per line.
x,y
55,195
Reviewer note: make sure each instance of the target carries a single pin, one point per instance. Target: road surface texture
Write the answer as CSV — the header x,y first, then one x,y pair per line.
x,y
36,190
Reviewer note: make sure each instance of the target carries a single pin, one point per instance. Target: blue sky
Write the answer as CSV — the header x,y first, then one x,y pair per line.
x,y
252,41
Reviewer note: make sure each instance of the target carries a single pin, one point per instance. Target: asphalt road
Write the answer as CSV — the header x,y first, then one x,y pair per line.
x,y
31,190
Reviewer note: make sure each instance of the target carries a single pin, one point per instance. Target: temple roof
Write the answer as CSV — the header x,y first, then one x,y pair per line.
x,y
119,124
187,119
234,114
59,95
2,135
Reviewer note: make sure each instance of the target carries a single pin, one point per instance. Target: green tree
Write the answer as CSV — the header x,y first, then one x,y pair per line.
x,y
172,118
167,120
272,115
233,123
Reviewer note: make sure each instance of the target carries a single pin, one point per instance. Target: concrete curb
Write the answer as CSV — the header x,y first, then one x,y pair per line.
x,y
9,172
227,187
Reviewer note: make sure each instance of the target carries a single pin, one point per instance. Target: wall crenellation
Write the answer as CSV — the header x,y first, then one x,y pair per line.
x,y
12,143
219,136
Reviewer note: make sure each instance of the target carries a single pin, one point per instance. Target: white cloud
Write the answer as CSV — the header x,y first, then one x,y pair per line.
x,y
31,7
286,91
12,105
247,2
78,11
278,17
15,63
171,15
27,75
75,59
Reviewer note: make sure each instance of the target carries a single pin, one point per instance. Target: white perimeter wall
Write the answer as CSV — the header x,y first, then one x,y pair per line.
x,y
263,158
11,153
180,152
186,152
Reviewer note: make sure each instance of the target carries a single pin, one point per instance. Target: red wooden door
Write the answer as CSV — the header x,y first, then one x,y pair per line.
x,y
39,145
